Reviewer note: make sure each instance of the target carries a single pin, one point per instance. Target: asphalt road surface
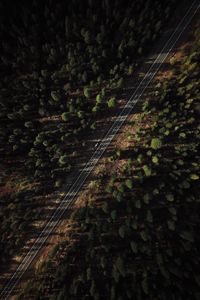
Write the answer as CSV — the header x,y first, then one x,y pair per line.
x,y
75,187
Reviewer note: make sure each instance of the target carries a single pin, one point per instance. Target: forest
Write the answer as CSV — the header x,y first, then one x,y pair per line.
x,y
63,65
137,237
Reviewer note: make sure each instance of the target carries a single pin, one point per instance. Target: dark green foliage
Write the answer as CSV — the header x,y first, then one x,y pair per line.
x,y
141,240
112,102
65,116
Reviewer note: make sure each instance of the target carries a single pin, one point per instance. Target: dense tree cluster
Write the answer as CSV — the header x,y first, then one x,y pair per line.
x,y
140,238
61,63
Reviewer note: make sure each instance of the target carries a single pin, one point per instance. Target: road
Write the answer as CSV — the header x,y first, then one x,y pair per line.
x,y
76,186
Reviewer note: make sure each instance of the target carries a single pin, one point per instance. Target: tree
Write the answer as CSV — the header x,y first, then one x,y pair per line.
x,y
55,96
65,116
63,159
111,102
98,99
86,92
